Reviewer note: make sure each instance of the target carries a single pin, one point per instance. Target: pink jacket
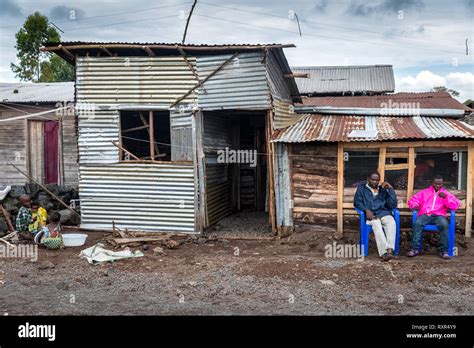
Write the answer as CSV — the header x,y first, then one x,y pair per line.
x,y
430,203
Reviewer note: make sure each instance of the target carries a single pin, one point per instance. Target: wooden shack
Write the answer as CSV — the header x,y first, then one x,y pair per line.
x,y
327,153
38,133
152,118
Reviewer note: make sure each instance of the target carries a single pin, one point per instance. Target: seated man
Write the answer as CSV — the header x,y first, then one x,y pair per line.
x,y
432,204
377,201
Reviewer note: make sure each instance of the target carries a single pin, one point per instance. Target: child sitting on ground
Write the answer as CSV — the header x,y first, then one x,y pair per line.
x,y
39,216
52,230
24,218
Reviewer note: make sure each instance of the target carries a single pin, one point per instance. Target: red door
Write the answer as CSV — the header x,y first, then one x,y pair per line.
x,y
51,152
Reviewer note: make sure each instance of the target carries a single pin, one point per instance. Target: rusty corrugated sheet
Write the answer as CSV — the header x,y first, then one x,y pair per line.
x,y
425,100
346,79
284,113
340,129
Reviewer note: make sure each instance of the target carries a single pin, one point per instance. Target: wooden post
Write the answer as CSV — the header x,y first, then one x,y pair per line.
x,y
270,172
340,188
382,157
411,172
469,188
152,135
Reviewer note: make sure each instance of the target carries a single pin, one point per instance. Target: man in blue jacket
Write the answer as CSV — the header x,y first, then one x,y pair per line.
x,y
377,201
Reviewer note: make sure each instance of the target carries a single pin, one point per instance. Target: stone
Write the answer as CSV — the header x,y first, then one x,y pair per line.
x,y
53,188
171,244
158,251
17,191
46,265
68,218
326,282
3,226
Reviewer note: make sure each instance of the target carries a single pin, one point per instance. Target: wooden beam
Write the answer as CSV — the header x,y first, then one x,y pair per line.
x,y
151,129
340,188
65,50
169,46
381,167
125,150
145,122
149,51
207,78
189,64
398,166
469,188
411,172
134,129
376,145
296,75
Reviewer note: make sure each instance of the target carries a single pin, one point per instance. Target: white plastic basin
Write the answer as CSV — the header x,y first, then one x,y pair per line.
x,y
74,239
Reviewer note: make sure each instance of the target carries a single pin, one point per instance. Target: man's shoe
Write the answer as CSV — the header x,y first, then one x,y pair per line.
x,y
445,256
413,253
385,257
390,253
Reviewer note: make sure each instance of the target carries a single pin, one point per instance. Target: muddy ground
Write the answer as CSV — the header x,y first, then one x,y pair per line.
x,y
209,277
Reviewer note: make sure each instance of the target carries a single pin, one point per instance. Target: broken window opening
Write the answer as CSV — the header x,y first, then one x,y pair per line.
x,y
145,134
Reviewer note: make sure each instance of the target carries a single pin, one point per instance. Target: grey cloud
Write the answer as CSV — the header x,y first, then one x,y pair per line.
x,y
321,5
63,12
361,8
9,8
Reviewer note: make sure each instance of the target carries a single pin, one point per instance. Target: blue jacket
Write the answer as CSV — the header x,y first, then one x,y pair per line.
x,y
381,204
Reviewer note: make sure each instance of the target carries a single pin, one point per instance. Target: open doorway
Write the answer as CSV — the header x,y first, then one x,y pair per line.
x,y
235,148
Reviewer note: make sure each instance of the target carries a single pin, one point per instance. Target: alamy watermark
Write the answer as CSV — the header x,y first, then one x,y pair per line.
x,y
20,251
393,108
344,251
237,156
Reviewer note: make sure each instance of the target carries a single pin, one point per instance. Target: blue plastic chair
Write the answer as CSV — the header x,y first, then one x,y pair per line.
x,y
365,230
434,228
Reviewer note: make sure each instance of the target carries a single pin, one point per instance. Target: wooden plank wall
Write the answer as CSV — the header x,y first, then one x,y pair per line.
x,y
14,141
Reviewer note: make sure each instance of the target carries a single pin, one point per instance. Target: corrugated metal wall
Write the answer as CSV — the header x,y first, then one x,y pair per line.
x,y
181,135
140,197
241,84
96,133
154,80
283,113
217,136
283,187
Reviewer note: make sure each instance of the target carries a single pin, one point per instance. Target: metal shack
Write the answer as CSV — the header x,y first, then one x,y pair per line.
x,y
154,119
407,137
38,133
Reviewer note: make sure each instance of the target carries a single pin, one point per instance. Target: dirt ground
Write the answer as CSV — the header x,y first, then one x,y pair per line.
x,y
205,276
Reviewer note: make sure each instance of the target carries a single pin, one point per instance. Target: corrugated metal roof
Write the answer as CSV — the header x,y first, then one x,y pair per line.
x,y
345,79
424,100
340,129
37,92
170,45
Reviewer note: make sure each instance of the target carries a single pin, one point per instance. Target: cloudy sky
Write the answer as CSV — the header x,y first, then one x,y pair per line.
x,y
424,40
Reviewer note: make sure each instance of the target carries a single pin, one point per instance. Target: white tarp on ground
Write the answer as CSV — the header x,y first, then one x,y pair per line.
x,y
97,254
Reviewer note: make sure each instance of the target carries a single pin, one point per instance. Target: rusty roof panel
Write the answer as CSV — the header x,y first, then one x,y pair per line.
x,y
330,128
424,100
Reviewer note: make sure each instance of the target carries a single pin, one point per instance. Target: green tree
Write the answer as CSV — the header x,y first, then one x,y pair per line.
x,y
444,89
56,70
34,65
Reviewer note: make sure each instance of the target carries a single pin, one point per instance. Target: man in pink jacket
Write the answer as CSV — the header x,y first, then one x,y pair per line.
x,y
432,204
